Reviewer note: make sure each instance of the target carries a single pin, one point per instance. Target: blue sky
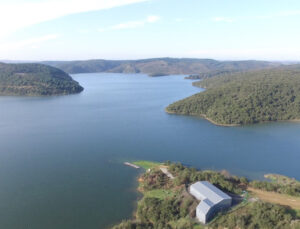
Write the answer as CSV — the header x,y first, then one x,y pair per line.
x,y
133,29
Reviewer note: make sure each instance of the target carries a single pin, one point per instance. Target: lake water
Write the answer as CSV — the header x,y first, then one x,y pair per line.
x,y
61,157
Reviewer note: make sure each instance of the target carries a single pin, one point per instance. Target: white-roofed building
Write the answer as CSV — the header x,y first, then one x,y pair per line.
x,y
212,200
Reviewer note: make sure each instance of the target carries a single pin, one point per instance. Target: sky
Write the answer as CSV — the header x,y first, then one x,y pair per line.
x,y
135,29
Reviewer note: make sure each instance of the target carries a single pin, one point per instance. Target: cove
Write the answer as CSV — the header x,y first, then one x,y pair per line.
x,y
61,158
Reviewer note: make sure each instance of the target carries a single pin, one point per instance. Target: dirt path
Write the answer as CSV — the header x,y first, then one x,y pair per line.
x,y
166,171
272,197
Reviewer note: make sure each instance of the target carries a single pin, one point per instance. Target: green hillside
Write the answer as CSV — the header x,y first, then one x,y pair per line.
x,y
159,66
35,80
245,98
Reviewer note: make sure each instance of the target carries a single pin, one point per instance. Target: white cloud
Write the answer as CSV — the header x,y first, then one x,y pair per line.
x,y
223,19
14,16
153,18
32,42
132,24
128,25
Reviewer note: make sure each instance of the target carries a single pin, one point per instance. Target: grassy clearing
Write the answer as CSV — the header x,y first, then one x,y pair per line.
x,y
186,223
159,193
198,226
297,213
147,164
276,198
280,179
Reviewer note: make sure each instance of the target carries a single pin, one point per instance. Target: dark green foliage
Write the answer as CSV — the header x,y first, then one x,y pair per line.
x,y
130,224
178,211
289,189
245,98
256,215
35,80
155,179
161,213
163,66
185,175
158,74
212,74
158,212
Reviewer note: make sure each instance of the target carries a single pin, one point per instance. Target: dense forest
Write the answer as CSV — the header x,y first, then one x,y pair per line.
x,y
246,97
159,66
210,74
35,80
166,203
281,184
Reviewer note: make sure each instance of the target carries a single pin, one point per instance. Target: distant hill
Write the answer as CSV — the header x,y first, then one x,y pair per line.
x,y
159,66
35,80
245,98
210,74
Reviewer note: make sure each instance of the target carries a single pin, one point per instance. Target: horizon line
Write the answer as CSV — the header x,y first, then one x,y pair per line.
x,y
137,59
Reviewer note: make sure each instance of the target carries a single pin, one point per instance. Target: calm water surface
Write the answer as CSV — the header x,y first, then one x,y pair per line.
x,y
61,157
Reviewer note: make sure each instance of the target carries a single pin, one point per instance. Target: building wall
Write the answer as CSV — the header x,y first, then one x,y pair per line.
x,y
205,217
221,206
201,217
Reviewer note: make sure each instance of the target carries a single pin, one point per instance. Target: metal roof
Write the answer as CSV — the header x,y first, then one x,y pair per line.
x,y
210,192
210,196
205,205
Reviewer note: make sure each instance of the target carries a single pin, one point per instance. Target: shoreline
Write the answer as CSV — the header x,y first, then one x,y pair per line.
x,y
229,125
219,124
204,117
154,196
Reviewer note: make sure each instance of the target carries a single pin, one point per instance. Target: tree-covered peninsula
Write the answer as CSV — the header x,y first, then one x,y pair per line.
x,y
246,98
35,80
168,204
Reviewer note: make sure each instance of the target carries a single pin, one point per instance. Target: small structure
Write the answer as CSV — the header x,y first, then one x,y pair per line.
x,y
131,165
213,200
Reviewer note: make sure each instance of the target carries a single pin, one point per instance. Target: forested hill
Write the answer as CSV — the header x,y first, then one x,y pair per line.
x,y
35,80
161,66
245,98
